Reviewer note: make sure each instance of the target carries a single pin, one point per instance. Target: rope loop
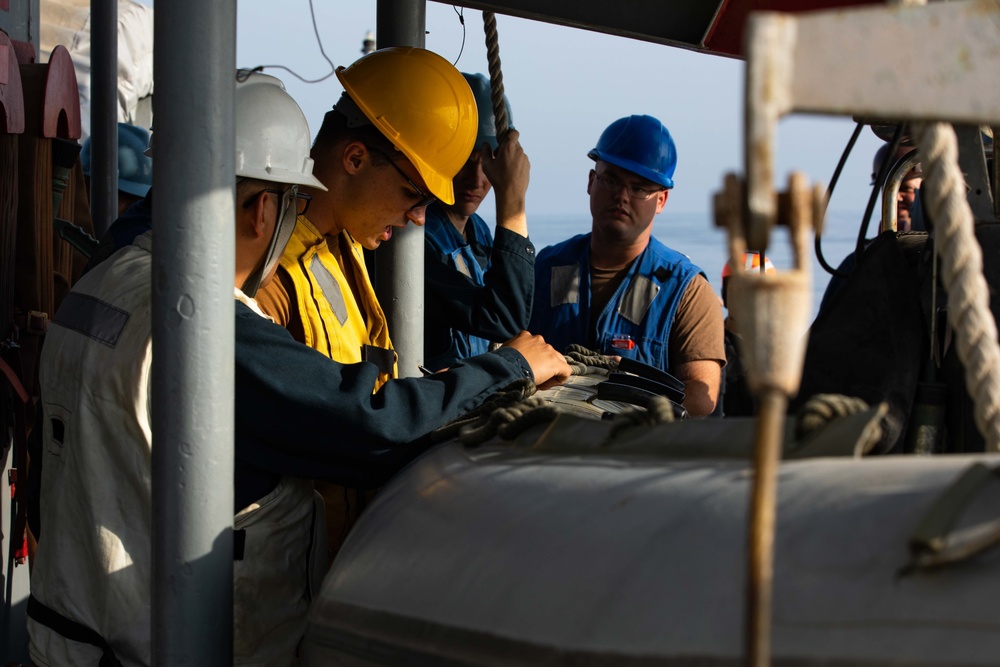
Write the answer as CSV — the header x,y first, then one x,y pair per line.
x,y
578,355
821,409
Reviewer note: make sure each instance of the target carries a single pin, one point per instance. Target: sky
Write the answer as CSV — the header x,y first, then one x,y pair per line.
x,y
565,86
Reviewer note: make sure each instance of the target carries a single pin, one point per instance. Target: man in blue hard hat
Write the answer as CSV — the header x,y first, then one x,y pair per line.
x,y
620,291
135,168
135,201
478,291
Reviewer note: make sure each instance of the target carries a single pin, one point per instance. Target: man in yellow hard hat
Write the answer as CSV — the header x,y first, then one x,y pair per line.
x,y
384,158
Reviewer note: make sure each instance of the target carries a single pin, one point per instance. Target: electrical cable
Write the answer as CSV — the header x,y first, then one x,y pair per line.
x,y
333,68
461,19
818,243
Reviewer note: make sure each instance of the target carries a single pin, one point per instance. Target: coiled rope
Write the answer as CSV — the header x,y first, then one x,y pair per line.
x,y
657,410
961,257
585,361
821,409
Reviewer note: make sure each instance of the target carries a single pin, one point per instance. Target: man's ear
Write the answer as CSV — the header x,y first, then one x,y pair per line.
x,y
661,199
354,156
255,222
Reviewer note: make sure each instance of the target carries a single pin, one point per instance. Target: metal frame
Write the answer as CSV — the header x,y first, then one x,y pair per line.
x,y
193,332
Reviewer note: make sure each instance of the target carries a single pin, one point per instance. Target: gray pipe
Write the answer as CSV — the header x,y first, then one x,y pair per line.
x,y
193,316
103,113
399,275
891,189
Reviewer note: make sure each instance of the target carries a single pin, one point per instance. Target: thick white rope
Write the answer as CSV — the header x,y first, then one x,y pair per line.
x,y
944,196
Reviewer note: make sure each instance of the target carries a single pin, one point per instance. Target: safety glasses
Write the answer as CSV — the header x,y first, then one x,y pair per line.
x,y
301,200
425,198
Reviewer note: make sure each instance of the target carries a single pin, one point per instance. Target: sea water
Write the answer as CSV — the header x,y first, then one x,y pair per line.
x,y
694,235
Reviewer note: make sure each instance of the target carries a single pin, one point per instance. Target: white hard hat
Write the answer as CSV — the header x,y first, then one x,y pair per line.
x,y
272,135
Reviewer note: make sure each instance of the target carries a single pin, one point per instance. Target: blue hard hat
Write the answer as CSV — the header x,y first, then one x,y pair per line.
x,y
640,144
480,85
135,168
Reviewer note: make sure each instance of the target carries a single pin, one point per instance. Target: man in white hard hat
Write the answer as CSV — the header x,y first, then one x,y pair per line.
x,y
296,414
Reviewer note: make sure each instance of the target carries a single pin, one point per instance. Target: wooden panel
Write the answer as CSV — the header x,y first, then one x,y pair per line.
x,y
11,94
34,226
62,98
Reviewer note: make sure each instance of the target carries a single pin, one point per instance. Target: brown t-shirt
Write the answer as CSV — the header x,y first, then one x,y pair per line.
x,y
603,283
276,300
698,332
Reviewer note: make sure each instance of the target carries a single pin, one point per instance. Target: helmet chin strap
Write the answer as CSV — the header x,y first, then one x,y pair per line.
x,y
285,225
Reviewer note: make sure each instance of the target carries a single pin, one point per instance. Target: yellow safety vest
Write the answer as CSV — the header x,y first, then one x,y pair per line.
x,y
332,320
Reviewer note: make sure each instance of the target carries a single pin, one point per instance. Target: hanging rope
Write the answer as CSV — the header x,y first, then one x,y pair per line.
x,y
969,314
496,75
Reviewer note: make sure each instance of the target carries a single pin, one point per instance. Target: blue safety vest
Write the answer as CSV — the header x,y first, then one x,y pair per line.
x,y
443,239
636,321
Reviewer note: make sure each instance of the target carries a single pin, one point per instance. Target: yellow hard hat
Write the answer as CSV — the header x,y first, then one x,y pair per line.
x,y
423,105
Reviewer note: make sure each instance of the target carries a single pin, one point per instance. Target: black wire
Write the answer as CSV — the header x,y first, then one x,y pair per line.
x,y
883,171
461,19
333,68
818,243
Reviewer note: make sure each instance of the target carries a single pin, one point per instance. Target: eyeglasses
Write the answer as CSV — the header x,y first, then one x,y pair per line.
x,y
612,184
301,200
425,199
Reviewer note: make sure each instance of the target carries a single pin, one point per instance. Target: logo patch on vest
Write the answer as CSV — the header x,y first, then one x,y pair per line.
x,y
92,317
565,287
638,299
330,288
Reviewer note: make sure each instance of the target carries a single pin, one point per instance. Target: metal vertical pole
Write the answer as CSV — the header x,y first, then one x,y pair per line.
x,y
399,279
103,113
193,329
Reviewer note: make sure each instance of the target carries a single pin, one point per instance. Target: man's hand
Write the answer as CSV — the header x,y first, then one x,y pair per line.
x,y
548,366
508,172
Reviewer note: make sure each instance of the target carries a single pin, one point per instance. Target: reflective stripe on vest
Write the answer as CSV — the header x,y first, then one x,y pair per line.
x,y
565,285
638,299
334,323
